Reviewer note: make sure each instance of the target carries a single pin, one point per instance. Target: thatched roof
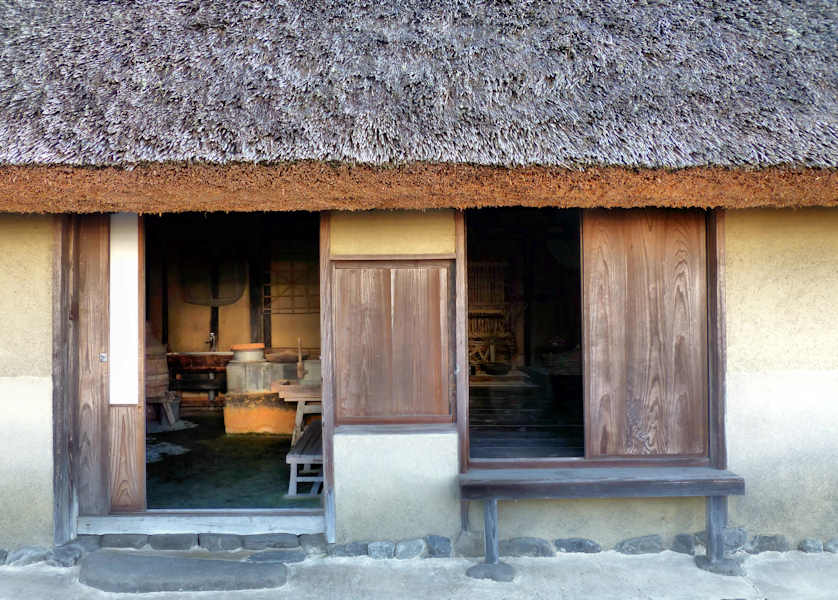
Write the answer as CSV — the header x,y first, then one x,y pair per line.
x,y
566,83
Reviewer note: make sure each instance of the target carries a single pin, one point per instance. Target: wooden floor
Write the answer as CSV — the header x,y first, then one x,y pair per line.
x,y
537,419
556,443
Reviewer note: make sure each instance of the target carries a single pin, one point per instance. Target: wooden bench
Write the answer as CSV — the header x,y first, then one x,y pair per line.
x,y
308,454
491,485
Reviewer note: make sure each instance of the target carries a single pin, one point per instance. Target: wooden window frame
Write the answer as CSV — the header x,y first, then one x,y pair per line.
x,y
716,450
397,262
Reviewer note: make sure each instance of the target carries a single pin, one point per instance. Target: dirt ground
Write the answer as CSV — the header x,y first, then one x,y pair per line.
x,y
605,576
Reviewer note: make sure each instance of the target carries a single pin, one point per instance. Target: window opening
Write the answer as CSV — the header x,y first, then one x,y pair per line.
x,y
524,328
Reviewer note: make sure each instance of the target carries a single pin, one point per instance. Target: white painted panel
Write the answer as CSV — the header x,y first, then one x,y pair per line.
x,y
124,309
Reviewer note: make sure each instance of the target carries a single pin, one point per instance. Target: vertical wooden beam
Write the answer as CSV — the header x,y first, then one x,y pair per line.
x,y
716,517
490,530
461,333
90,447
265,295
326,369
164,308
716,337
254,273
63,377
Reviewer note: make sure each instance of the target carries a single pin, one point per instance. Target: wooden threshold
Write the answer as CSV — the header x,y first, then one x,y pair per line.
x,y
242,522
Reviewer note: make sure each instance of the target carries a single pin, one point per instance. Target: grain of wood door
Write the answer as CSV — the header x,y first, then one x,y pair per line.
x,y
108,449
645,332
392,342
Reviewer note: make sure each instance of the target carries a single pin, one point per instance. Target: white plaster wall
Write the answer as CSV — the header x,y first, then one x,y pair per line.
x,y
782,361
26,462
395,486
25,380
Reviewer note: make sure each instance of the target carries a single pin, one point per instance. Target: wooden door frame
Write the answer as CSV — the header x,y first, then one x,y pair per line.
x,y
114,501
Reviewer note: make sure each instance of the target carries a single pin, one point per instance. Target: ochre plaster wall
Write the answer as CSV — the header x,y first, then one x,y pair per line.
x,y
26,251
782,362
189,324
392,232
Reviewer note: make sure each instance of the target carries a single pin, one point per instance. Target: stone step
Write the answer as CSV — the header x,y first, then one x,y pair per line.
x,y
130,572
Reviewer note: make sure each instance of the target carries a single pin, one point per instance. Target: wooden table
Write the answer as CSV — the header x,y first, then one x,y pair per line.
x,y
308,399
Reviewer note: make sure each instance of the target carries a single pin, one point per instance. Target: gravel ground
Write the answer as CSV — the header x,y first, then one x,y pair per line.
x,y
605,576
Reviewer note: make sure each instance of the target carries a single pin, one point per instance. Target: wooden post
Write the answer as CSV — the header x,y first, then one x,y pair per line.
x,y
492,568
716,517
715,560
490,530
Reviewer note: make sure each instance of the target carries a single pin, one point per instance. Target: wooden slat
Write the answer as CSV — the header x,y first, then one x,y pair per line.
x,y
461,333
645,328
363,342
64,382
716,340
598,482
91,423
127,472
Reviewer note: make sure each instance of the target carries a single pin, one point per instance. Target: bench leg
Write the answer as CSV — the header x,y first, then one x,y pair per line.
x,y
492,568
292,481
715,561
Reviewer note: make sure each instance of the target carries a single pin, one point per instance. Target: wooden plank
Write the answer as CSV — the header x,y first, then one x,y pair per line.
x,y
580,462
461,338
127,473
327,397
645,324
64,382
716,337
596,482
90,450
420,342
363,340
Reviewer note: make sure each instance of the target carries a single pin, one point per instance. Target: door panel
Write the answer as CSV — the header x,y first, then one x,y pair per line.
x,y
645,331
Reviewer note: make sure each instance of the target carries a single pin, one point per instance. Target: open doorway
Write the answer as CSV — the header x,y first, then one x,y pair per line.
x,y
232,365
524,330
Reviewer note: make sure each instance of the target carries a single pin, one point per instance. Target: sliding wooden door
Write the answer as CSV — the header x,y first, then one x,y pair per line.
x,y
645,332
108,447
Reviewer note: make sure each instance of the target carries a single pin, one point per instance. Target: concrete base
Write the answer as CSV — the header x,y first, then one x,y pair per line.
x,y
725,566
495,571
131,573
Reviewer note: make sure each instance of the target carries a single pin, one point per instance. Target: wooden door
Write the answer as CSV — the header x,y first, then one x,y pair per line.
x,y
645,332
108,448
